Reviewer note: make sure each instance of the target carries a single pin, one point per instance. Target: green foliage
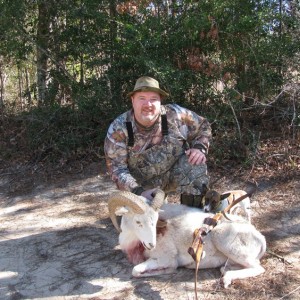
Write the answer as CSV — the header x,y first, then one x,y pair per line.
x,y
61,133
218,58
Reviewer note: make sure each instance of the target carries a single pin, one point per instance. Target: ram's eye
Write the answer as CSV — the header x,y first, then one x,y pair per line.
x,y
138,223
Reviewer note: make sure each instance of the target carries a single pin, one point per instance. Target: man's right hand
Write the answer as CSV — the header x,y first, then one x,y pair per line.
x,y
196,157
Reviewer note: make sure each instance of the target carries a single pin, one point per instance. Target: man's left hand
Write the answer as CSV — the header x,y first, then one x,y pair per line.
x,y
196,157
149,194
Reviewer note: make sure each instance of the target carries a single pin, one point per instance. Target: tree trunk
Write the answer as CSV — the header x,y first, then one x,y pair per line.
x,y
42,48
20,84
27,87
2,76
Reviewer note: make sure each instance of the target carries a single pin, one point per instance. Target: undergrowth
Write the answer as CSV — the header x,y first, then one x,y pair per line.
x,y
60,135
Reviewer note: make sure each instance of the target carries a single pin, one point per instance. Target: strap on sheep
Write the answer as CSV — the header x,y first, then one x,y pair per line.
x,y
196,249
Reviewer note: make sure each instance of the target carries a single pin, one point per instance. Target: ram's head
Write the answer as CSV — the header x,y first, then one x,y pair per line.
x,y
138,217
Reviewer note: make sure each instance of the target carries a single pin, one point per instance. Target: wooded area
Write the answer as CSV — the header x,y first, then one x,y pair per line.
x,y
66,67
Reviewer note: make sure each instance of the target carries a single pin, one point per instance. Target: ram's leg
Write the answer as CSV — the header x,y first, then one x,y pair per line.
x,y
241,274
230,266
233,271
243,245
154,266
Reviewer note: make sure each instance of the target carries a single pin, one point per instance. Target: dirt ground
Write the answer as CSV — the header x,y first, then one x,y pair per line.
x,y
57,241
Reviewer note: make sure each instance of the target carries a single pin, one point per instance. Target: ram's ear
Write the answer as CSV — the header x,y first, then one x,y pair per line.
x,y
225,196
121,211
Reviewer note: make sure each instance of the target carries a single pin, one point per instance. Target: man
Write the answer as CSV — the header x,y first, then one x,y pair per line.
x,y
154,145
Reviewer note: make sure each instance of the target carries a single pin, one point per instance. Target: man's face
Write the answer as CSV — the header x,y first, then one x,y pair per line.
x,y
146,107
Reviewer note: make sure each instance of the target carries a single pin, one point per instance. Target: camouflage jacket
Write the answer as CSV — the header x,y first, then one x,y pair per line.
x,y
183,124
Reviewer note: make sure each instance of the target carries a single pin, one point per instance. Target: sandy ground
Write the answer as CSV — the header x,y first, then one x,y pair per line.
x,y
57,242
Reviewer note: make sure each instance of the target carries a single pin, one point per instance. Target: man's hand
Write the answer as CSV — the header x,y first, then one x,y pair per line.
x,y
196,157
149,194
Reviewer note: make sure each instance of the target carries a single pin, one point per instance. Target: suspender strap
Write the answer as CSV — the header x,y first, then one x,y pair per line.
x,y
164,128
164,125
130,142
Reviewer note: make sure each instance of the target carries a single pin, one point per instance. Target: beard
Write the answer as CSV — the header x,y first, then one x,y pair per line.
x,y
148,118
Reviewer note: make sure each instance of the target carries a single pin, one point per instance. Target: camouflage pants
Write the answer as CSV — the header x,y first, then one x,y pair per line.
x,y
182,178
166,166
188,180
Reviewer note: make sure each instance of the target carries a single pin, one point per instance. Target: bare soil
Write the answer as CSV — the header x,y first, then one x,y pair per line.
x,y
57,241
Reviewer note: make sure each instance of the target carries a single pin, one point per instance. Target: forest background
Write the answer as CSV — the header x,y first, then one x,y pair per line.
x,y
66,67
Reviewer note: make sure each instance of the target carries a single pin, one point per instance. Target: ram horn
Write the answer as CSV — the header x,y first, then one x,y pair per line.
x,y
124,198
158,199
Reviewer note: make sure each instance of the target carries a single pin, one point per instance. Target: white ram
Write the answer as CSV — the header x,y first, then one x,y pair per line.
x,y
154,250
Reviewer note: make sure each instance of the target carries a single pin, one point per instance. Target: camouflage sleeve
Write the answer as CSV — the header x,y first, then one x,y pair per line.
x,y
115,149
196,129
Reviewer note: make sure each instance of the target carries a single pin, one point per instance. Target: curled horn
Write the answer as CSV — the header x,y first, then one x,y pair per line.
x,y
124,198
158,200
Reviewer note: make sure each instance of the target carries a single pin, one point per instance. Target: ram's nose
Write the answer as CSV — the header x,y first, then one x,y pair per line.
x,y
149,246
